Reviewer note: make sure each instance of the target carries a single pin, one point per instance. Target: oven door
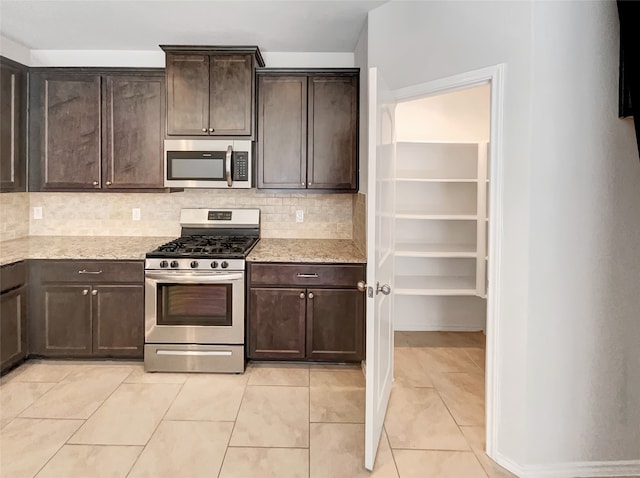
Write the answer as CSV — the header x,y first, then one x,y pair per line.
x,y
194,308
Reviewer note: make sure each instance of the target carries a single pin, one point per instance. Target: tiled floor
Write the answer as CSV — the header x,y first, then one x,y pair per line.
x,y
110,419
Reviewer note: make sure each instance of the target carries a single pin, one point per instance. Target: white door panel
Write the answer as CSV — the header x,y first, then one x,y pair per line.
x,y
380,255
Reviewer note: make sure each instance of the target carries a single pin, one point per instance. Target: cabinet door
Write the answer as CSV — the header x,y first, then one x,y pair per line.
x,y
335,324
70,132
13,327
13,88
62,325
333,132
282,132
276,323
187,94
118,320
231,97
134,132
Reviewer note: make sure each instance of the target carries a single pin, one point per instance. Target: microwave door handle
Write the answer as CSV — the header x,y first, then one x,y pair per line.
x,y
228,166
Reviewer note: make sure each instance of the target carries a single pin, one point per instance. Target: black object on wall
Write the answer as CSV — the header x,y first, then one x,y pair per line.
x,y
629,14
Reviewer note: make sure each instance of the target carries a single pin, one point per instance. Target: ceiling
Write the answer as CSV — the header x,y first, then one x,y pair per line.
x,y
275,26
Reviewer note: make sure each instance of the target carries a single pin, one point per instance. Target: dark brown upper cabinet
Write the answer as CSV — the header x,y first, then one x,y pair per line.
x,y
96,129
211,90
13,126
308,129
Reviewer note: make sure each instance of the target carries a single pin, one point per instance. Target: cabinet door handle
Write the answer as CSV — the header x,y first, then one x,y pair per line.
x,y
85,291
210,130
95,183
108,183
303,184
307,276
94,292
310,295
204,130
302,295
84,271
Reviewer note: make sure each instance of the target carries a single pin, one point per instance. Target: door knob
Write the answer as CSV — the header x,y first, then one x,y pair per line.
x,y
385,289
362,286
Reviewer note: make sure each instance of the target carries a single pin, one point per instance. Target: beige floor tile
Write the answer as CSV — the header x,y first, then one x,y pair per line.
x,y
293,375
138,375
336,378
27,444
418,419
16,396
463,393
184,448
129,416
445,359
45,371
265,463
273,417
336,396
337,451
438,464
408,370
475,438
88,461
209,397
79,394
319,366
478,356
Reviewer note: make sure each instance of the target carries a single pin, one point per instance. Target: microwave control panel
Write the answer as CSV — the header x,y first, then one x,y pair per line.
x,y
240,166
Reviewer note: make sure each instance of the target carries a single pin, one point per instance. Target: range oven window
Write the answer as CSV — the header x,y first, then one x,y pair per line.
x,y
195,304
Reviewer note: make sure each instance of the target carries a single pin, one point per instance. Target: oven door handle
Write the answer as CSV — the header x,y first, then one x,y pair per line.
x,y
193,278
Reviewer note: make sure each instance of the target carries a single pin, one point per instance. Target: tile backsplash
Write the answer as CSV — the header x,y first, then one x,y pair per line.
x,y
14,213
359,234
326,216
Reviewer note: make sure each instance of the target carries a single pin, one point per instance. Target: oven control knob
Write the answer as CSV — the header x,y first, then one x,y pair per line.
x,y
214,264
164,264
224,264
194,264
174,264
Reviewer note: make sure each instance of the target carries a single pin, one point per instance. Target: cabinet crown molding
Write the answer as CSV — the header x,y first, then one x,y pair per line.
x,y
215,49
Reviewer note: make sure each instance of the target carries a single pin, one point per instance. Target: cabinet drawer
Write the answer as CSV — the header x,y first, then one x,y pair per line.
x,y
306,275
94,272
12,276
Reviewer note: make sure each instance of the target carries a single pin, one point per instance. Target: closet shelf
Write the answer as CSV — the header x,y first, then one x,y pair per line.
x,y
412,249
435,285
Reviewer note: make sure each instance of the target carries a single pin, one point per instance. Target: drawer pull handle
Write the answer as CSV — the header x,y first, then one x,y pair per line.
x,y
84,271
307,276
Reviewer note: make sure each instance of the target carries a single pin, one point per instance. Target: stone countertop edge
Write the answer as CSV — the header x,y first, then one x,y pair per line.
x,y
307,250
79,247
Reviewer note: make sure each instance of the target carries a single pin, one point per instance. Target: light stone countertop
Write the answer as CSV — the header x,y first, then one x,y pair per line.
x,y
307,250
135,248
78,247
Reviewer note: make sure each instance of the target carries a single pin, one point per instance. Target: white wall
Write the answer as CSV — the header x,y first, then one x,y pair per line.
x,y
416,42
14,51
361,60
570,277
583,374
459,116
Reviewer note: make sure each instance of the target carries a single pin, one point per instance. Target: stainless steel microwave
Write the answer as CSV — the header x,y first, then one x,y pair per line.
x,y
207,163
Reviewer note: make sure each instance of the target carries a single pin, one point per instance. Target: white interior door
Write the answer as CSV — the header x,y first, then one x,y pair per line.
x,y
380,249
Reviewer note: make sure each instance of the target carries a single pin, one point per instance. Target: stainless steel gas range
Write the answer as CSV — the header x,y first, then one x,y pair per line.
x,y
195,293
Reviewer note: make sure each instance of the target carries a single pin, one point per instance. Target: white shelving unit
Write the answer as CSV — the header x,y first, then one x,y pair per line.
x,y
441,236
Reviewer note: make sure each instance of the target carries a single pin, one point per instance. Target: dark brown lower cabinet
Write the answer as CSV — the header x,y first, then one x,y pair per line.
x,y
335,325
277,323
13,315
305,312
87,309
